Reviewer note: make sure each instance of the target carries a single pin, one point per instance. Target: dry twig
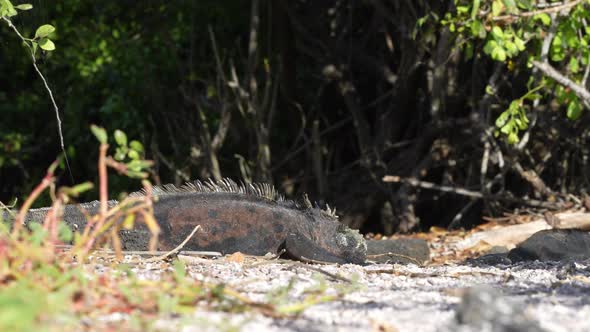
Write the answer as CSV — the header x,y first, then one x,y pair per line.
x,y
175,250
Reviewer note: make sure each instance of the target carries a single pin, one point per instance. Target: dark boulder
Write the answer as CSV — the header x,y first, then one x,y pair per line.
x,y
553,245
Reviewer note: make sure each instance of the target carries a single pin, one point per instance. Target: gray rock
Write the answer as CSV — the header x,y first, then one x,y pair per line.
x,y
553,245
498,250
485,308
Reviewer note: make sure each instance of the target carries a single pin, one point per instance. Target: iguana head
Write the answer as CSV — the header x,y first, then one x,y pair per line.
x,y
323,238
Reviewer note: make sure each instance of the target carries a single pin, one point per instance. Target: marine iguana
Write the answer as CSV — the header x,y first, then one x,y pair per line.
x,y
252,219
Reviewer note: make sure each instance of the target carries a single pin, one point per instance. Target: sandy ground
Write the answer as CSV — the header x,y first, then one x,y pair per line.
x,y
524,297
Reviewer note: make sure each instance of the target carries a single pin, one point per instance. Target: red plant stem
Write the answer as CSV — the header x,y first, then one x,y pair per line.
x,y
103,181
51,220
119,167
102,194
46,182
52,231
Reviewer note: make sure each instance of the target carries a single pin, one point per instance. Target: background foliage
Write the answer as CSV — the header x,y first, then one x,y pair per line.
x,y
317,97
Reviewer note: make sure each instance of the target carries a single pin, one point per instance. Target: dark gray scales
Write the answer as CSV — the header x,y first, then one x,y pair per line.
x,y
252,219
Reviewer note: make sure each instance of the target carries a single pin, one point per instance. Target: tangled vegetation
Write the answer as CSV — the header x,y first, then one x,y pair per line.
x,y
487,96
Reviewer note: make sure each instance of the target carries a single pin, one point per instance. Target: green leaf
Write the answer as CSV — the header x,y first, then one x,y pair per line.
x,y
514,106
136,145
24,6
133,154
120,138
120,153
497,7
511,6
499,54
513,138
490,46
511,48
80,188
44,31
509,126
524,4
100,133
11,12
475,9
557,52
519,44
4,7
544,18
490,90
137,165
571,38
462,9
478,30
533,96
7,9
501,120
557,40
562,95
574,109
497,32
521,123
557,55
46,44
137,175
573,65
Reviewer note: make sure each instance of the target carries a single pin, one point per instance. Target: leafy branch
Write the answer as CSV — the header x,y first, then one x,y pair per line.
x,y
521,34
514,119
40,40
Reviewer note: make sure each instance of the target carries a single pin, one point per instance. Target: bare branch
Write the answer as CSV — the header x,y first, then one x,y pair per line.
x,y
469,193
548,10
579,90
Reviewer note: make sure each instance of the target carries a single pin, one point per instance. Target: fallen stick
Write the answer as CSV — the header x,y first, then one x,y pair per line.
x,y
470,193
511,235
175,250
